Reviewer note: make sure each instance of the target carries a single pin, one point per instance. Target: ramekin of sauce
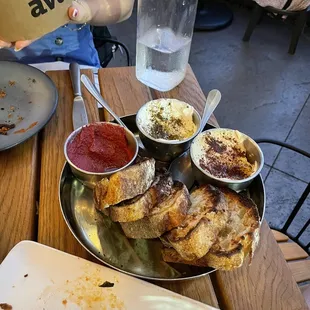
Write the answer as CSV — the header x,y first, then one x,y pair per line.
x,y
98,150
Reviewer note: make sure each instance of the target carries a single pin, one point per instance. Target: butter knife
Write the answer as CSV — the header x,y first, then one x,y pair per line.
x,y
79,115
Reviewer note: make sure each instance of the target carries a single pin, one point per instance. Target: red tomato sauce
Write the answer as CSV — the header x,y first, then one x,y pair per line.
x,y
100,148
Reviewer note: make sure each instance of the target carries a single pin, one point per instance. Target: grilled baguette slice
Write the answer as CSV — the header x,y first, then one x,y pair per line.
x,y
206,218
237,240
139,207
126,184
240,236
217,259
168,214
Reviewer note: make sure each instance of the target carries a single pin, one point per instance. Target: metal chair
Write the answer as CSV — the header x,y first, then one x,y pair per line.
x,y
300,22
295,252
106,45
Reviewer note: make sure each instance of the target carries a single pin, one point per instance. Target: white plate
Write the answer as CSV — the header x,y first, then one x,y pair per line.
x,y
34,276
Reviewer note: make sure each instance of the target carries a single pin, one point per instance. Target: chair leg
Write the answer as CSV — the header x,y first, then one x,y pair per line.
x,y
255,18
297,30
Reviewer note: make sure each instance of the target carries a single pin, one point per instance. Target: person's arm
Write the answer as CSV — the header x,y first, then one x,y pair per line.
x,y
94,12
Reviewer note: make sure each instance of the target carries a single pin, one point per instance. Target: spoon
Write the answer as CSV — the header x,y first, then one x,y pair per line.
x,y
213,99
181,167
95,93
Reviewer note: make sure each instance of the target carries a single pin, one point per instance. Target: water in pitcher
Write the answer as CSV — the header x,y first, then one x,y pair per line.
x,y
162,57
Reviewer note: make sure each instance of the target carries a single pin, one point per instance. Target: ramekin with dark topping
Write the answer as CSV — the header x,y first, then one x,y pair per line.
x,y
226,157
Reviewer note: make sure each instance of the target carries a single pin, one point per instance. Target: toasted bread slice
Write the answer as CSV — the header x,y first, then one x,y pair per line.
x,y
235,242
240,236
126,184
218,260
167,215
206,218
139,207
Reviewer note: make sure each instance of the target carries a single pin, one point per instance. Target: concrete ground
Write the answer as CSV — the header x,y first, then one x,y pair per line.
x,y
265,93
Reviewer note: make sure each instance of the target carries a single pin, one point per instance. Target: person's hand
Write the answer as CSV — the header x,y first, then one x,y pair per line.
x,y
82,11
79,13
19,45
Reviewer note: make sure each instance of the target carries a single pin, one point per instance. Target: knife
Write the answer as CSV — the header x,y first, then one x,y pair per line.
x,y
79,115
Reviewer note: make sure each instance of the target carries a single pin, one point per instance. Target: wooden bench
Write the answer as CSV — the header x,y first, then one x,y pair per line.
x,y
298,261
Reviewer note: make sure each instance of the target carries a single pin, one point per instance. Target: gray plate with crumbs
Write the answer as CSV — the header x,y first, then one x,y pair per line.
x,y
28,99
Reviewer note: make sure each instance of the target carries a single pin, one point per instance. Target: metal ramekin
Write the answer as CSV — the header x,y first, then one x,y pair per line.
x,y
90,179
165,150
254,153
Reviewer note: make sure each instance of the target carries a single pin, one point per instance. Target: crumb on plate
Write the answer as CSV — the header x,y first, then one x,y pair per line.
x,y
4,128
23,130
2,93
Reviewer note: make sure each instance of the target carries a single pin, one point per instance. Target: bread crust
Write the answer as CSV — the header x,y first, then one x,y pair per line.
x,y
168,214
141,206
206,217
237,240
126,184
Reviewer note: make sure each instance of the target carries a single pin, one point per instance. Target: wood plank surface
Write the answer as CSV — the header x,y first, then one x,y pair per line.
x,y
125,94
122,91
292,251
18,191
200,289
300,270
52,229
266,284
280,237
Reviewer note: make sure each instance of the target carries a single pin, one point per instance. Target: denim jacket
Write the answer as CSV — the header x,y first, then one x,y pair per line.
x,y
59,45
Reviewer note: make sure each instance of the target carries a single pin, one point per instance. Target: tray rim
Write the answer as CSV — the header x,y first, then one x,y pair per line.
x,y
182,278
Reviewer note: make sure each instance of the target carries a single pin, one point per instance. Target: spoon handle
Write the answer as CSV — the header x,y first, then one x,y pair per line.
x,y
213,99
94,92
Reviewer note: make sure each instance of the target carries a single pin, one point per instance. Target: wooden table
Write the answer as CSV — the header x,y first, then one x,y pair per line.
x,y
29,207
